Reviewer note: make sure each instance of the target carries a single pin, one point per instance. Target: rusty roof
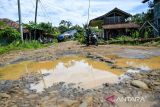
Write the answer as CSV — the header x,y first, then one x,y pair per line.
x,y
10,23
121,26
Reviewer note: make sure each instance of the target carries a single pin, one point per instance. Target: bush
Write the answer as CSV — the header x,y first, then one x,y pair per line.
x,y
9,35
102,42
19,45
80,38
135,34
123,38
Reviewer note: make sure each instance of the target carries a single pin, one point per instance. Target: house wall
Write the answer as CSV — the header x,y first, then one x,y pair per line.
x,y
114,18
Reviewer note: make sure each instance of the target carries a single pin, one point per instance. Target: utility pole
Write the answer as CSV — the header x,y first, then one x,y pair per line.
x,y
89,5
35,21
20,20
36,11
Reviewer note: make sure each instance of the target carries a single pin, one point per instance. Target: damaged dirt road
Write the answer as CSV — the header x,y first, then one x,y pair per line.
x,y
94,76
71,48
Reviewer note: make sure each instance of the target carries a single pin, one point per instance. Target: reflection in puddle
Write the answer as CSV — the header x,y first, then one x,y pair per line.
x,y
76,69
78,72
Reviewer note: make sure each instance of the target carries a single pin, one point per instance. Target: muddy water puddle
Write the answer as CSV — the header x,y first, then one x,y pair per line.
x,y
85,72
79,70
145,64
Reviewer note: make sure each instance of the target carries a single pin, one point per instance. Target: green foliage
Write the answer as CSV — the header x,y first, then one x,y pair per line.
x,y
79,29
47,27
102,41
152,43
143,17
31,26
95,30
2,24
18,45
65,23
95,23
62,29
56,32
138,18
135,34
9,34
80,38
123,38
64,26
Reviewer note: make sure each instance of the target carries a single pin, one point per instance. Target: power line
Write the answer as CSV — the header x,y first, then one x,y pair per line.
x,y
32,11
44,10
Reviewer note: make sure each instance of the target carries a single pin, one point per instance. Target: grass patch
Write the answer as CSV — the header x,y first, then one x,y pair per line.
x,y
18,45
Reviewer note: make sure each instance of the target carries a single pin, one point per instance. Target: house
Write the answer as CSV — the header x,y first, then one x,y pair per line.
x,y
156,6
114,23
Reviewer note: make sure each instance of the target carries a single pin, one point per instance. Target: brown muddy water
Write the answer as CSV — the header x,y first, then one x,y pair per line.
x,y
80,70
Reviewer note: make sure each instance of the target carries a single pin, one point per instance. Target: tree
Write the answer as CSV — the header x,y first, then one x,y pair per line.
x,y
79,29
138,18
143,17
65,23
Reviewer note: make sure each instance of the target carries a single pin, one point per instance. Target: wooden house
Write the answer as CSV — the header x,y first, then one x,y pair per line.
x,y
114,23
156,6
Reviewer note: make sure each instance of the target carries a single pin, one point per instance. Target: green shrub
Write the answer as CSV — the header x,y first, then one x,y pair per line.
x,y
9,34
19,45
30,45
80,38
123,38
135,34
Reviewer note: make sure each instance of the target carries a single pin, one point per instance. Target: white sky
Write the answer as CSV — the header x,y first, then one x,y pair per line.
x,y
73,10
